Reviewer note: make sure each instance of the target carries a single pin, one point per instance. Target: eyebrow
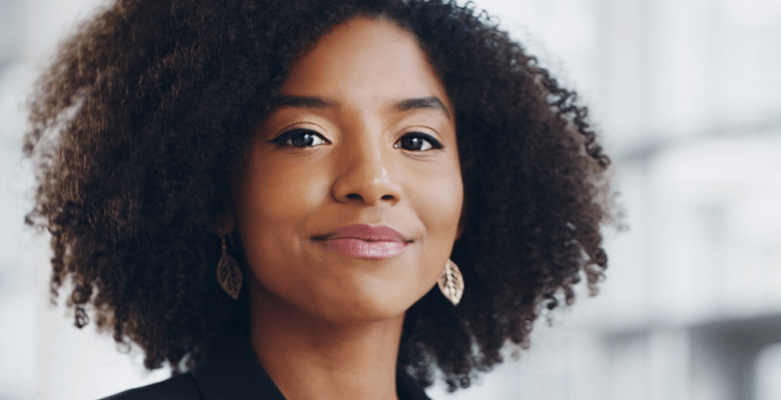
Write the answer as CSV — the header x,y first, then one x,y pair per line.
x,y
430,102
302,102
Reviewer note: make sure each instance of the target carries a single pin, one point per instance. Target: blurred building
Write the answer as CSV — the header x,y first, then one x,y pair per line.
x,y
687,95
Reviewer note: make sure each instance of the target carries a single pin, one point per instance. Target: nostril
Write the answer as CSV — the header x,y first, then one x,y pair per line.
x,y
353,196
387,197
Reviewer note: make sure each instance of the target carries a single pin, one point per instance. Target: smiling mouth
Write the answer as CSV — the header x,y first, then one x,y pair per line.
x,y
365,241
376,250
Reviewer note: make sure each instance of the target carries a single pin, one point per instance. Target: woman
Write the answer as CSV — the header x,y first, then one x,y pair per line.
x,y
309,199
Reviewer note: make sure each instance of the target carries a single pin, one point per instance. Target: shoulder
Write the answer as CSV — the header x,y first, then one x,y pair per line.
x,y
180,387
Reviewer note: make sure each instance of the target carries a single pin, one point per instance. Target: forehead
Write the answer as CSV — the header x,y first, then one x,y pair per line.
x,y
364,60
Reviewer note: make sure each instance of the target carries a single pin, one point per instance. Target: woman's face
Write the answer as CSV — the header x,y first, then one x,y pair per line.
x,y
349,202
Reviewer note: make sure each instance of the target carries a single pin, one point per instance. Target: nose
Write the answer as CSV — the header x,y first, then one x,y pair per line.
x,y
367,174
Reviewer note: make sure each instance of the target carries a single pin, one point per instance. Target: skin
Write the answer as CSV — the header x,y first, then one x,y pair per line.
x,y
326,325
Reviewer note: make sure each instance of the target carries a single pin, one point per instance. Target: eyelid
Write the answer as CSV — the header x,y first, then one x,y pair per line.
x,y
287,132
435,143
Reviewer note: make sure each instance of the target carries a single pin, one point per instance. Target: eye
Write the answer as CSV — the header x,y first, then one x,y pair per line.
x,y
418,141
299,137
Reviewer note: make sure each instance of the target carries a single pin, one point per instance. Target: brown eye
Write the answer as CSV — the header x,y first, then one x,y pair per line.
x,y
300,138
418,141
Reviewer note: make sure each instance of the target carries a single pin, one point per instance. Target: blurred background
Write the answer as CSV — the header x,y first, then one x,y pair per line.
x,y
687,97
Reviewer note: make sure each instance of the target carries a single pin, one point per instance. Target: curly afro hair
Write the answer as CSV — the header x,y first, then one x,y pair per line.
x,y
147,109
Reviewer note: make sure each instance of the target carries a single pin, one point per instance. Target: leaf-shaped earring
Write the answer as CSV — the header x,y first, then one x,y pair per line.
x,y
228,273
451,283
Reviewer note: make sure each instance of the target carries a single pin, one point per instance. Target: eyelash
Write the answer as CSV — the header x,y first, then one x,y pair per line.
x,y
435,144
283,139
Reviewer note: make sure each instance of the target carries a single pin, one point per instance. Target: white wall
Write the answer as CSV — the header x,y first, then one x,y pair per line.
x,y
42,355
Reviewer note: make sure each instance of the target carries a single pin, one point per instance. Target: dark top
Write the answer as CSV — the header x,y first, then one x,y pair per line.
x,y
233,372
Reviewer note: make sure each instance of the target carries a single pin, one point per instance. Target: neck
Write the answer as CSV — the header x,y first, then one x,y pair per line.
x,y
309,358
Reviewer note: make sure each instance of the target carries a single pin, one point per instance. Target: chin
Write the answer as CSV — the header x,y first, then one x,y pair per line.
x,y
368,309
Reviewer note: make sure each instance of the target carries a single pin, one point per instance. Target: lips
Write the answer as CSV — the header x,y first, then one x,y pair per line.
x,y
365,241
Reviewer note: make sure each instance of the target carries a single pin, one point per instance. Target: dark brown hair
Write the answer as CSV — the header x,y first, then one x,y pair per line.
x,y
145,112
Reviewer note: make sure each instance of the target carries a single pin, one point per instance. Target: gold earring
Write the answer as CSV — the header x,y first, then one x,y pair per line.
x,y
228,273
451,283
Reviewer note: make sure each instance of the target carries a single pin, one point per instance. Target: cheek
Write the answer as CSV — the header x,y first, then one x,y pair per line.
x,y
437,202
439,205
272,204
276,196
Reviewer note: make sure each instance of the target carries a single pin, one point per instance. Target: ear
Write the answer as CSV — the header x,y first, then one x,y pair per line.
x,y
224,221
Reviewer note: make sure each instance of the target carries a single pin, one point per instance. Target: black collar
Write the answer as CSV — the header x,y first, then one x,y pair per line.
x,y
233,372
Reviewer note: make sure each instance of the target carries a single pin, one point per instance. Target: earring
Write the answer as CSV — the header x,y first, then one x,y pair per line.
x,y
228,273
451,283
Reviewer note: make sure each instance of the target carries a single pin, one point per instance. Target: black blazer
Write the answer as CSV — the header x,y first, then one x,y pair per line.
x,y
232,372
